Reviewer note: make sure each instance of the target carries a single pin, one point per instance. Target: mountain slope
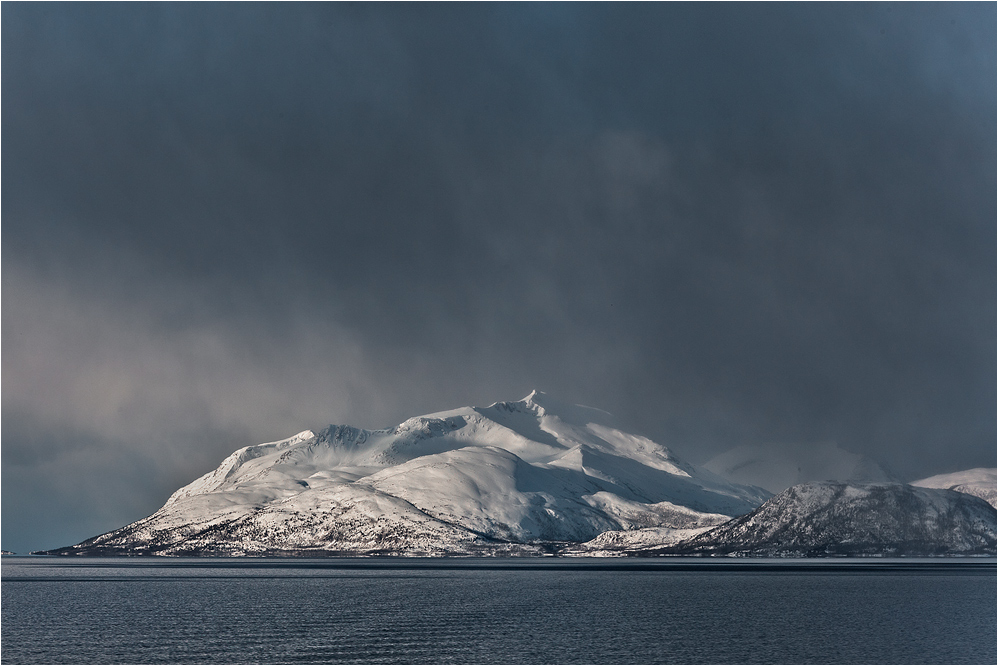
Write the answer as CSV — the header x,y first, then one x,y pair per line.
x,y
849,519
471,480
980,482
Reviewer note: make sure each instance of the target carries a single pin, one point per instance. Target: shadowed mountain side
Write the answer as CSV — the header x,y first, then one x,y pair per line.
x,y
642,483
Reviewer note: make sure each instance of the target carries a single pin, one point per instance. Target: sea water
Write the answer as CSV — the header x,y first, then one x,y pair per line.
x,y
511,611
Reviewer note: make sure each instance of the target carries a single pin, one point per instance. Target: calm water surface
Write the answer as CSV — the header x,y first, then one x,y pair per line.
x,y
151,610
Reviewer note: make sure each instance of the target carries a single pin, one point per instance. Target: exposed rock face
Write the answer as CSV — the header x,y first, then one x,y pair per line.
x,y
819,519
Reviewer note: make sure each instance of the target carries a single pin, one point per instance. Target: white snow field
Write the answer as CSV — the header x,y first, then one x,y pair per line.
x,y
513,477
980,482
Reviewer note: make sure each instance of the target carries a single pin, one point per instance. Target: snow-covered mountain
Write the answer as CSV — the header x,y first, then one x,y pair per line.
x,y
817,519
776,467
980,482
538,476
514,477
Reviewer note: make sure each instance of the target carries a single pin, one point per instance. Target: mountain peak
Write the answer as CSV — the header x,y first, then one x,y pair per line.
x,y
544,404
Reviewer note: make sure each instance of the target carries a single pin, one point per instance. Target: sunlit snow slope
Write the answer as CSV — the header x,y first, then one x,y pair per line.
x,y
980,482
513,477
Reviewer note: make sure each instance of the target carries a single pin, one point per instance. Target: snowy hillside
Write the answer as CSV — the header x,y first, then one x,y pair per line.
x,y
776,467
845,519
513,477
980,482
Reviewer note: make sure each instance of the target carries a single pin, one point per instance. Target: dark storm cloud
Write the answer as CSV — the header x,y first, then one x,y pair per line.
x,y
724,223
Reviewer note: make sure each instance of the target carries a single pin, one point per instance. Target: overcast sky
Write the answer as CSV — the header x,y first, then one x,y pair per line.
x,y
725,224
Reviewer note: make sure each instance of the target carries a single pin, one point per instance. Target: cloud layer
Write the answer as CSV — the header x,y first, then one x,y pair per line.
x,y
725,224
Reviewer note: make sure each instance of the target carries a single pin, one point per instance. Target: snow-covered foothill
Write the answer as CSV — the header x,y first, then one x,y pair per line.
x,y
821,519
980,482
